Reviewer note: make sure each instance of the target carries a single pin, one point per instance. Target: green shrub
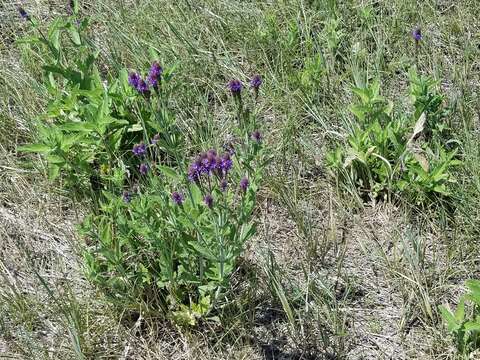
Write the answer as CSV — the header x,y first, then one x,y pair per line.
x,y
465,328
387,155
161,235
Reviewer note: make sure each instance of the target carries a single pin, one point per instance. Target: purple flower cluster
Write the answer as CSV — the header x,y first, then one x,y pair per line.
x,y
177,198
244,184
23,13
154,76
210,163
127,196
417,34
256,82
257,136
153,79
208,200
235,86
139,149
143,168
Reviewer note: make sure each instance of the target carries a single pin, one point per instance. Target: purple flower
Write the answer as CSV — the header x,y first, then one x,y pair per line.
x,y
139,149
417,34
209,163
208,200
143,168
127,196
193,173
235,86
23,13
256,136
156,139
244,184
256,82
226,163
155,74
223,185
142,87
177,198
133,79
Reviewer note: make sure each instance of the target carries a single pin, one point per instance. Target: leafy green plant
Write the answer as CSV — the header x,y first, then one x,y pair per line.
x,y
90,124
388,154
465,327
161,236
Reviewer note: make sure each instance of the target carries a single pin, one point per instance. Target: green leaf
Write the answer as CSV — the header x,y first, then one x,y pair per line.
x,y
55,159
135,127
75,7
472,326
77,126
460,311
202,251
53,171
75,36
35,148
447,316
169,172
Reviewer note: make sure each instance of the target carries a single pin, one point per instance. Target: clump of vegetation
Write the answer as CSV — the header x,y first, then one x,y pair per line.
x,y
390,155
465,326
162,236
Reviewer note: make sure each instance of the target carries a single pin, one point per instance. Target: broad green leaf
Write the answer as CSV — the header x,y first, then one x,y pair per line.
x,y
35,148
53,171
167,171
449,318
460,311
203,251
472,326
75,36
77,126
135,127
55,159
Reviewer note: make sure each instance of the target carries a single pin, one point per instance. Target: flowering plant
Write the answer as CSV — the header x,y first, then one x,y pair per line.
x,y
175,240
165,228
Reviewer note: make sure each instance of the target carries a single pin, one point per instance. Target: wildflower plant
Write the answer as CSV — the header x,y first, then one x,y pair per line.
x,y
464,323
175,242
390,155
166,227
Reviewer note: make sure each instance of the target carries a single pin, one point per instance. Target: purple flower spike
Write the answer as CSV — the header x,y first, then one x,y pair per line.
x,y
417,34
143,168
208,200
23,13
142,87
139,149
256,136
193,173
256,82
223,185
177,198
227,163
244,184
133,79
235,86
156,139
154,76
127,196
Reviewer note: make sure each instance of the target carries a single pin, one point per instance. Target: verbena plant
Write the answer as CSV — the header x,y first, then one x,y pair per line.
x,y
387,155
464,327
166,226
